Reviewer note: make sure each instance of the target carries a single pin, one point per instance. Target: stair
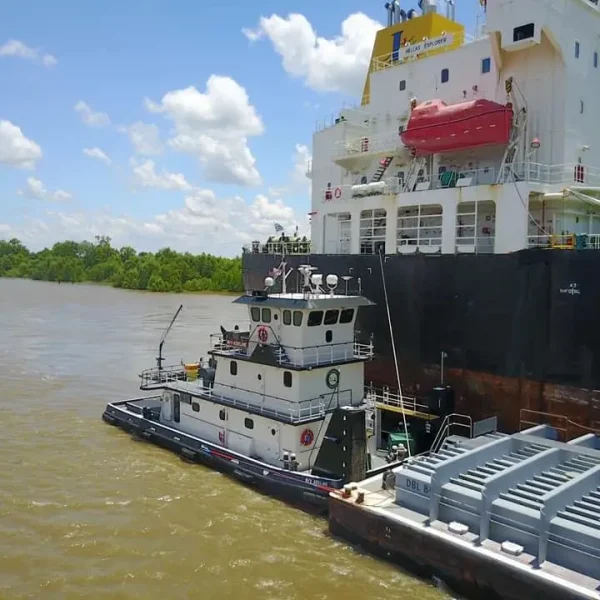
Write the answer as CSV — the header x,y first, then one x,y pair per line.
x,y
383,165
413,173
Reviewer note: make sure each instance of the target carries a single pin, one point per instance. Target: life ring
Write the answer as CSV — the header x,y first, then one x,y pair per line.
x,y
263,334
338,192
307,437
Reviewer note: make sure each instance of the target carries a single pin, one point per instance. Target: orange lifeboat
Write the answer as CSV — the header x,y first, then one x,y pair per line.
x,y
435,126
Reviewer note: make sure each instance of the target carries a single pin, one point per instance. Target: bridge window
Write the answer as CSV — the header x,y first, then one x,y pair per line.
x,y
402,85
248,423
445,75
347,315
486,65
266,315
233,367
577,49
328,336
331,317
524,32
287,379
287,317
315,318
297,318
255,312
195,406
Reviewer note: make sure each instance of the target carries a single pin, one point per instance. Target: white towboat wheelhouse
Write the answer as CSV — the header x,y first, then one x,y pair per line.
x,y
282,404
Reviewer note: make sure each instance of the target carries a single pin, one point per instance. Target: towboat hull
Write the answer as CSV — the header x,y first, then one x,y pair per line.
x,y
297,488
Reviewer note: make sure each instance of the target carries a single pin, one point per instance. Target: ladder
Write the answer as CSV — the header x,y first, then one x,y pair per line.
x,y
417,163
517,134
384,163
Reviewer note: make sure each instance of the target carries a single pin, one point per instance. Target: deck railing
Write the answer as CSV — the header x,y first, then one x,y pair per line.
x,y
571,241
292,356
296,247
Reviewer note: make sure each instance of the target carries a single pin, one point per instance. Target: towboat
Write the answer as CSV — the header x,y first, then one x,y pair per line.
x,y
281,406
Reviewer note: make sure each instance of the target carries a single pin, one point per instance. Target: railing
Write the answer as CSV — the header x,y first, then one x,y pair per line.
x,y
292,356
384,397
369,144
156,378
569,173
571,241
456,421
297,247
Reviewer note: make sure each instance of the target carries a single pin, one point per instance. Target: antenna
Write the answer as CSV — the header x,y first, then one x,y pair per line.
x,y
159,358
347,279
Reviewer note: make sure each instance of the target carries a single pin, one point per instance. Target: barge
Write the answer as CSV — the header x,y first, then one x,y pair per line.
x,y
508,517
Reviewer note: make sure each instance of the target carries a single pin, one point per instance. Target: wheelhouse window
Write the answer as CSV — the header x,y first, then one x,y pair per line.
x,y
331,317
255,313
445,76
266,315
297,318
233,367
287,317
287,379
347,315
315,318
524,32
248,423
486,65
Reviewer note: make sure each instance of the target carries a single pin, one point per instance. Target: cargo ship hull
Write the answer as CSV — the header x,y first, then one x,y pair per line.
x,y
518,330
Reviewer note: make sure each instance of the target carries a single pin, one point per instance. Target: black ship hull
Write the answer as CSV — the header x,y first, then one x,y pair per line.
x,y
520,332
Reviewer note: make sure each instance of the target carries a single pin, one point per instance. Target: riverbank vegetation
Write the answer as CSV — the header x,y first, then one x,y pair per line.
x,y
163,271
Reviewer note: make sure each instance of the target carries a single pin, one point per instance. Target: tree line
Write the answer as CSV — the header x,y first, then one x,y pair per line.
x,y
163,271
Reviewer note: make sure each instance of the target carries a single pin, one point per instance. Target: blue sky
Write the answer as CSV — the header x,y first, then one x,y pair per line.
x,y
205,172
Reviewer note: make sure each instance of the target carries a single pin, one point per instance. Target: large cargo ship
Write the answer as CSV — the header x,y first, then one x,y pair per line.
x,y
468,178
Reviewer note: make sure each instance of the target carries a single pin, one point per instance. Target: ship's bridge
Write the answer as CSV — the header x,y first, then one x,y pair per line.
x,y
298,330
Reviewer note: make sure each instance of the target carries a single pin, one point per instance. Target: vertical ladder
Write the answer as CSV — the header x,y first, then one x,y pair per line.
x,y
417,163
384,163
517,133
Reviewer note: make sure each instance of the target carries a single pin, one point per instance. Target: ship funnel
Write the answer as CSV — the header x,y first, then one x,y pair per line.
x,y
428,6
389,7
451,9
412,13
403,16
396,14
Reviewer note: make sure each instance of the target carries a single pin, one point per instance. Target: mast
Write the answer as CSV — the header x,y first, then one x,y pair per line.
x,y
159,358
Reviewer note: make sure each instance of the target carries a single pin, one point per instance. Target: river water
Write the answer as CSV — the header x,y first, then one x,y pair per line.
x,y
85,511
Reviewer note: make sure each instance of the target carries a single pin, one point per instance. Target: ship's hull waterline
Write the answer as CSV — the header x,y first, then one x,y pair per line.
x,y
519,332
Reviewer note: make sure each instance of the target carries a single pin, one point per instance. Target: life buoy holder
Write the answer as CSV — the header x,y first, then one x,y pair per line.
x,y
338,192
307,437
263,334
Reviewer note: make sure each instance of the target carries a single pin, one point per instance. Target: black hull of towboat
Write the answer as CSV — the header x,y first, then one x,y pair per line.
x,y
287,486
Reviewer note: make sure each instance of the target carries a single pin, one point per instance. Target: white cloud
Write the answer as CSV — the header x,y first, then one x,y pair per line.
x,y
144,137
90,117
302,157
15,149
205,223
97,154
145,175
214,126
18,49
35,189
338,64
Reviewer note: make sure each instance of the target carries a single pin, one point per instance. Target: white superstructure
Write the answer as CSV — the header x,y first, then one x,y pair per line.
x,y
371,193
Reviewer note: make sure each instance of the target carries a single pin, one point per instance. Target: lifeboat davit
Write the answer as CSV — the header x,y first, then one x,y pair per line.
x,y
435,126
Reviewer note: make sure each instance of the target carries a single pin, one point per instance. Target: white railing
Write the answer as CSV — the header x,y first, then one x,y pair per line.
x,y
568,173
580,241
370,144
383,397
279,247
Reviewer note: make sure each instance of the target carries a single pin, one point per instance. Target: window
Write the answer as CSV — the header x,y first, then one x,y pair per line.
x,y
297,318
222,414
331,317
581,107
195,406
287,317
402,85
315,318
400,176
266,315
363,179
328,336
176,408
233,367
445,75
287,378
577,49
347,315
486,65
255,312
421,225
442,170
524,32
186,399
400,129
595,60
372,228
248,423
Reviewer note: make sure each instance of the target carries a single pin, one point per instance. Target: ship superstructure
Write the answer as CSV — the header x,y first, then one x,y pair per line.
x,y
482,143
